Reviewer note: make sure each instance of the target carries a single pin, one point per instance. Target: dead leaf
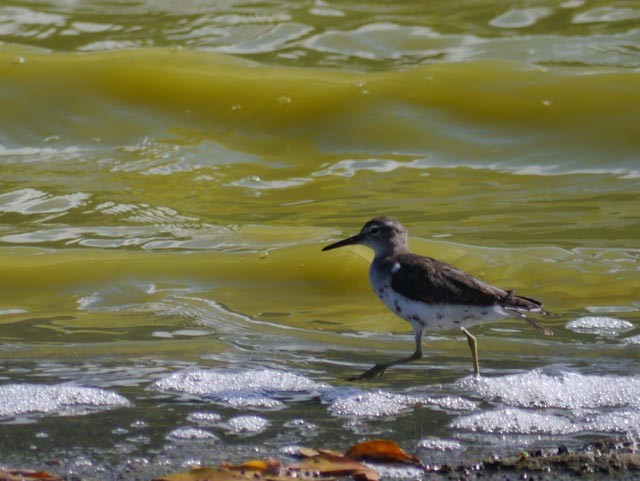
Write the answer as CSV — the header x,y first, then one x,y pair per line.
x,y
381,450
204,474
27,475
317,462
330,452
307,452
270,465
252,465
215,474
332,464
366,475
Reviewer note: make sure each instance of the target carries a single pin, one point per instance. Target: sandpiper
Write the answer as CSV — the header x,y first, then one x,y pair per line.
x,y
430,294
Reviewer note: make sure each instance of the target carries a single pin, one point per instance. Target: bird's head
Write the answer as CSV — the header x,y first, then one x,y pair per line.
x,y
386,236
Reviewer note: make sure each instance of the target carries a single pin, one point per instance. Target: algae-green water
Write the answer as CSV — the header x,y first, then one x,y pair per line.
x,y
169,172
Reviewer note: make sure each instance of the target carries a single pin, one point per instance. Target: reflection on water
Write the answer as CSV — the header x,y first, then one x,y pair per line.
x,y
168,175
334,33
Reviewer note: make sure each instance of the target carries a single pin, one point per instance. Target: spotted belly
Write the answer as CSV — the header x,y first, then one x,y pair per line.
x,y
437,317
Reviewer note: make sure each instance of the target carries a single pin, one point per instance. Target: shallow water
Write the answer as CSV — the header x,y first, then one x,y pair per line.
x,y
169,174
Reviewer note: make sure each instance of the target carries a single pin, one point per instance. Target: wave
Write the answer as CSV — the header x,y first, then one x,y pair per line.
x,y
490,112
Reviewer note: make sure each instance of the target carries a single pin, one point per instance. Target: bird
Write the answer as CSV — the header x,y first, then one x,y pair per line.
x,y
430,294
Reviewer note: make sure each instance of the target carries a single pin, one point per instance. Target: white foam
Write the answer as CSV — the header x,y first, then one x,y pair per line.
x,y
555,388
453,403
514,421
554,401
204,417
264,388
373,404
180,434
244,401
521,421
391,471
436,444
599,325
59,399
248,424
618,421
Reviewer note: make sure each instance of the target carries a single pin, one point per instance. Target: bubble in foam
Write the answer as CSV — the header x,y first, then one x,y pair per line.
x,y
453,403
436,444
263,388
186,433
602,325
204,417
514,421
59,399
248,424
373,404
558,388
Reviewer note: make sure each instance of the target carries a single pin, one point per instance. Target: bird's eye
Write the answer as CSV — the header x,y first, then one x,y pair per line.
x,y
374,231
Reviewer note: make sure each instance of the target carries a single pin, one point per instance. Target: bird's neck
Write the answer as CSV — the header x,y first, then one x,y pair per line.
x,y
389,250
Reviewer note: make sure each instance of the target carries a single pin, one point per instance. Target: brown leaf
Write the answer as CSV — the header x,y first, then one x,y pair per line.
x,y
270,465
204,474
368,474
330,452
307,452
332,464
215,474
254,465
27,475
381,450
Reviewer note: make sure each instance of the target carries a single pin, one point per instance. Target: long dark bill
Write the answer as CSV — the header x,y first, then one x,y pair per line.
x,y
345,242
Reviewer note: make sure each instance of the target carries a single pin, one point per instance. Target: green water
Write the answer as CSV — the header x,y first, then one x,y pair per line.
x,y
169,172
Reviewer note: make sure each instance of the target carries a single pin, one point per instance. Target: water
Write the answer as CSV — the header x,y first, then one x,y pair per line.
x,y
168,175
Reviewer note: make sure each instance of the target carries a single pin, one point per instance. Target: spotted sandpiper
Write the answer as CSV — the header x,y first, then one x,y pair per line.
x,y
430,294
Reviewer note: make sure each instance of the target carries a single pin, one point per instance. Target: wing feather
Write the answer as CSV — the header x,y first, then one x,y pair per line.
x,y
430,280
436,282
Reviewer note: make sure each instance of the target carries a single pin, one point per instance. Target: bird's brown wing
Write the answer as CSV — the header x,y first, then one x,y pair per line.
x,y
430,280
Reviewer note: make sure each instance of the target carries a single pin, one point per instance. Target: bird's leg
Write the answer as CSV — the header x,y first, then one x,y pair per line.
x,y
473,345
544,330
379,369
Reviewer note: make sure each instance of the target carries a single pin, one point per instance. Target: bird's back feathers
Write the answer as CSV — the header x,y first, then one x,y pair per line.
x,y
430,280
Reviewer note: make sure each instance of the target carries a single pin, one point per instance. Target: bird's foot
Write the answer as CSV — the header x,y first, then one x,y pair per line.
x,y
375,371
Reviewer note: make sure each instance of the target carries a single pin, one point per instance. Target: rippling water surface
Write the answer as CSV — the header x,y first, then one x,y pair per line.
x,y
169,172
